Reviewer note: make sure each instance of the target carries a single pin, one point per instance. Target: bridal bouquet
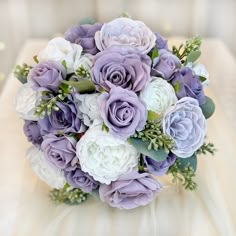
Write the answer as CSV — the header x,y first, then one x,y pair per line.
x,y
109,108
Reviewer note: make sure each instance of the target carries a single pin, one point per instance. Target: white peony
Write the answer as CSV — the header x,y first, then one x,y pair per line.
x,y
59,49
104,156
125,32
86,61
88,107
25,102
200,70
50,175
158,95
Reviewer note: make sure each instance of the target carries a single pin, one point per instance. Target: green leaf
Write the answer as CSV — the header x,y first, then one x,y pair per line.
x,y
142,147
82,86
64,64
87,20
176,87
36,59
208,108
202,79
191,161
193,56
153,116
104,127
154,53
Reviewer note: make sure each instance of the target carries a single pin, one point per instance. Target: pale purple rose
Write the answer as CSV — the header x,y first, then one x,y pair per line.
x,y
84,36
186,125
165,64
65,120
159,168
115,67
60,152
161,42
130,191
122,112
188,84
46,76
33,133
79,179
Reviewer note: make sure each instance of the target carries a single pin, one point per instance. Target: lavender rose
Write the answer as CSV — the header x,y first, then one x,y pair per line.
x,y
114,67
165,64
186,125
159,168
65,120
188,84
84,36
79,179
161,42
46,76
32,132
122,112
130,191
60,152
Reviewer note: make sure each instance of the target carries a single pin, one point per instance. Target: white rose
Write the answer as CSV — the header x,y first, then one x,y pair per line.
x,y
86,61
50,175
25,102
59,49
200,70
125,32
158,95
104,156
88,107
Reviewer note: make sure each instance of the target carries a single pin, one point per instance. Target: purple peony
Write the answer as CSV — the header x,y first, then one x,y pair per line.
x,y
46,76
79,179
65,120
115,67
130,191
32,132
84,36
60,152
161,42
187,84
186,125
122,112
159,168
165,64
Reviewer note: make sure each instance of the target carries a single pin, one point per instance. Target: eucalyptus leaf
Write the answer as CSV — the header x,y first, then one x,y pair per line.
x,y
193,56
82,86
87,20
153,116
191,161
208,108
142,147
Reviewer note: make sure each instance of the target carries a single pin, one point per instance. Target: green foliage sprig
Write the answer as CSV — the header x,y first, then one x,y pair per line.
x,y
68,195
82,72
190,51
154,135
21,72
206,148
184,175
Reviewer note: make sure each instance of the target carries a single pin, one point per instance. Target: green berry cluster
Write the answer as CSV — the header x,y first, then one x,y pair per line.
x,y
21,72
207,148
82,72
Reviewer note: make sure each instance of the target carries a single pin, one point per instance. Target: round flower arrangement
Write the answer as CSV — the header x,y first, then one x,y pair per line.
x,y
109,108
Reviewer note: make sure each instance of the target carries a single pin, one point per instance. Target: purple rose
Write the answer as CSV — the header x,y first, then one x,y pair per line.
x,y
186,125
159,168
60,152
165,64
161,42
122,112
32,132
114,67
84,36
65,120
79,179
188,84
46,76
130,191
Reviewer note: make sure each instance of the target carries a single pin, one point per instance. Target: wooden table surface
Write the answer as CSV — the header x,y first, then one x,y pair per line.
x,y
25,208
